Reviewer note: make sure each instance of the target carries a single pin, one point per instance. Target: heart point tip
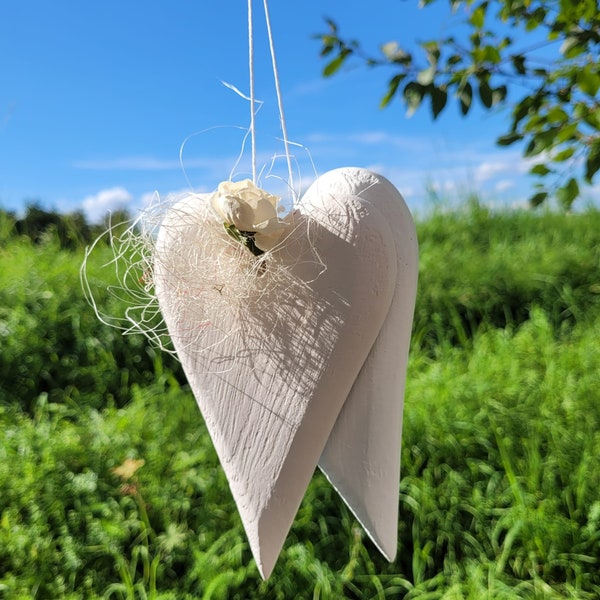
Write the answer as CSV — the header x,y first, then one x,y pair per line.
x,y
264,565
265,549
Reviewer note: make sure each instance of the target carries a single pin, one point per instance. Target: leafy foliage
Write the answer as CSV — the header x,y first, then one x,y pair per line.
x,y
557,118
51,342
70,230
119,494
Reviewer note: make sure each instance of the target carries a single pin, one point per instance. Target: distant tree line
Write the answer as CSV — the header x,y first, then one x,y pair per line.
x,y
71,230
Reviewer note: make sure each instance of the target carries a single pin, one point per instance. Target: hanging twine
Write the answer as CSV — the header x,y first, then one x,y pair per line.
x,y
282,121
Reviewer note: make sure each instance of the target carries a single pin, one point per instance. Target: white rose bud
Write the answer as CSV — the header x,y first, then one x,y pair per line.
x,y
250,209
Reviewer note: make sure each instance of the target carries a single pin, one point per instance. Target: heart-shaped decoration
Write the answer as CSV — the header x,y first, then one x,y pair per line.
x,y
274,346
362,455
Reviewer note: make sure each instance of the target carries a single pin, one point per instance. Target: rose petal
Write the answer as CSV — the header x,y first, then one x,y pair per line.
x,y
263,209
268,241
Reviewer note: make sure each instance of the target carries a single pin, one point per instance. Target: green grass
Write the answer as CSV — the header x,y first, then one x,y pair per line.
x,y
501,447
50,339
479,268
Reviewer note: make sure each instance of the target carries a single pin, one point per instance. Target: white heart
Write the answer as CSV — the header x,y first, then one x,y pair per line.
x,y
272,348
362,456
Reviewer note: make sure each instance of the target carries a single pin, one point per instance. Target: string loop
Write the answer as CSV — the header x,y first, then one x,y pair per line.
x,y
282,121
252,94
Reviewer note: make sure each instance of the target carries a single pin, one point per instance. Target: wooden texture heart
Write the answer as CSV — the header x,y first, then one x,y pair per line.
x,y
272,347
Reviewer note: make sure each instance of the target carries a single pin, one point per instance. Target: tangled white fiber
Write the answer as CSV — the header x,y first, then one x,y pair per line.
x,y
128,277
185,283
178,252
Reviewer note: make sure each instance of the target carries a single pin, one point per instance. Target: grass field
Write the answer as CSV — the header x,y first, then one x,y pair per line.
x,y
110,488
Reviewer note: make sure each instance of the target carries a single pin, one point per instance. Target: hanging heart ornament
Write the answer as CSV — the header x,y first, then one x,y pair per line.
x,y
294,339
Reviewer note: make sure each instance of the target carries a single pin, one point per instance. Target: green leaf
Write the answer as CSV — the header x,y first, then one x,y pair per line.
x,y
332,25
518,61
542,141
485,94
491,55
521,110
326,50
588,80
478,17
564,154
505,43
250,243
540,169
439,97
535,18
530,150
557,115
581,110
592,163
432,50
392,89
413,95
567,193
329,42
565,133
233,231
334,65
499,94
592,118
536,123
465,94
538,198
572,47
507,140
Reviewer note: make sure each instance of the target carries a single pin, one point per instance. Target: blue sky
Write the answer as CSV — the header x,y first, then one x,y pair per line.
x,y
96,99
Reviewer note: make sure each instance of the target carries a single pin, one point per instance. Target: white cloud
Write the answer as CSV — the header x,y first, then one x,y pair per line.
x,y
504,184
451,175
488,170
418,166
98,205
374,137
149,198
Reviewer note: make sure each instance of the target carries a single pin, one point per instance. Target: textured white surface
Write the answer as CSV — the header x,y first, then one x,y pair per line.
x,y
271,376
362,455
